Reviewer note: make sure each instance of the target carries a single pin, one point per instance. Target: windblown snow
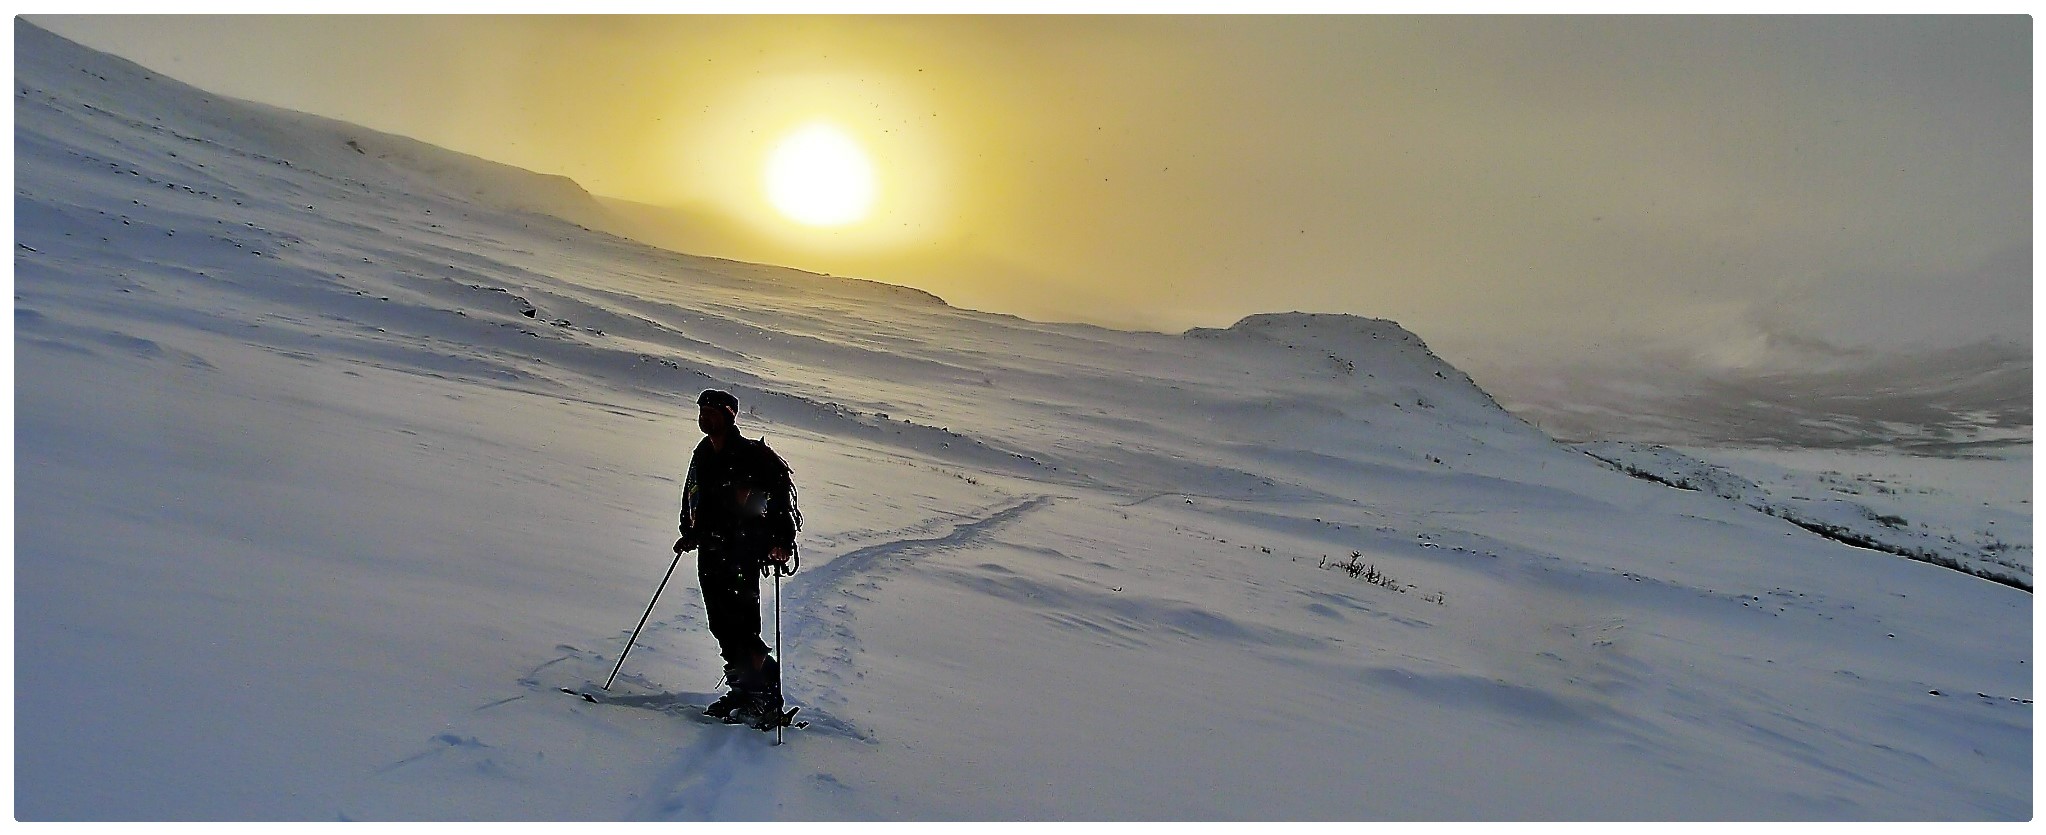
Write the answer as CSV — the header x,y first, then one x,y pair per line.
x,y
337,455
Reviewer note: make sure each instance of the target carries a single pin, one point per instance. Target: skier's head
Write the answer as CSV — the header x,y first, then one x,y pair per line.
x,y
717,412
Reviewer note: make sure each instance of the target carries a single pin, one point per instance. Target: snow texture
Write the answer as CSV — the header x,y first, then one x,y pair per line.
x,y
338,454
1903,505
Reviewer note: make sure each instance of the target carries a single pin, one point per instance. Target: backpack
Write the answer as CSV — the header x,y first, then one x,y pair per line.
x,y
783,484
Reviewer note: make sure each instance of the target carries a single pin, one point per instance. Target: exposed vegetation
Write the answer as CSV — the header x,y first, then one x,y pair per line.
x,y
1840,534
1369,573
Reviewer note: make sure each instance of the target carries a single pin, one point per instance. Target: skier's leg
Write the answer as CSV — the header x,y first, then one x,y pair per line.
x,y
762,683
727,608
732,608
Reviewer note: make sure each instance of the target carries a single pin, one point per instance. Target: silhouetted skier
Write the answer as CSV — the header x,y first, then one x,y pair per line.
x,y
739,509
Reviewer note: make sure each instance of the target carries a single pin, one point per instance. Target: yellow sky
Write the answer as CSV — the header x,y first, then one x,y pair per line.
x,y
1498,185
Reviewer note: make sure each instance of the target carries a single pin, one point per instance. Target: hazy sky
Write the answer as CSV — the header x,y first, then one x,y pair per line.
x,y
1741,189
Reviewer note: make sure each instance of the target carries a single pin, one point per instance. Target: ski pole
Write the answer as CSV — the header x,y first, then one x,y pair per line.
x,y
779,659
650,613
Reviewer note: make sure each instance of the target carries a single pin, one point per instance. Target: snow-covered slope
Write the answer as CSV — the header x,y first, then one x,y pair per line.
x,y
1894,512
332,469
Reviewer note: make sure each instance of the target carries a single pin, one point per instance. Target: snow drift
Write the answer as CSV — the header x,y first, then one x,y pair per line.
x,y
336,461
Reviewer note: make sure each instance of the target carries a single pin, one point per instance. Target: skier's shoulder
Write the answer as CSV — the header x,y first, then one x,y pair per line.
x,y
703,448
757,451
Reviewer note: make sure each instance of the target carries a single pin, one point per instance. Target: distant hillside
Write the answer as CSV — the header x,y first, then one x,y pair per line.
x,y
162,105
697,232
1938,402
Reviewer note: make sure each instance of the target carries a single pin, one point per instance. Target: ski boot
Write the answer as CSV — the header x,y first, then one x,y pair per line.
x,y
727,704
732,700
761,706
763,712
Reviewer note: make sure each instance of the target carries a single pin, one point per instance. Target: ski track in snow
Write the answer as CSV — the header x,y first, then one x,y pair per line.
x,y
701,779
691,787
823,627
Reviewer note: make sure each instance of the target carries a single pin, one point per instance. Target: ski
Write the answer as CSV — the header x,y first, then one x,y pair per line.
x,y
784,719
602,698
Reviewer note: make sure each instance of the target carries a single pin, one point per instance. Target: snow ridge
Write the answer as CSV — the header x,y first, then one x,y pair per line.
x,y
122,90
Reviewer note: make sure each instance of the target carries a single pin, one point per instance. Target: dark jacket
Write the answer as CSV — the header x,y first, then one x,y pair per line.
x,y
740,497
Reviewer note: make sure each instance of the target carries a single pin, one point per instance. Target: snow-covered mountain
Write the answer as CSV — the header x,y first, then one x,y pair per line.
x,y
335,462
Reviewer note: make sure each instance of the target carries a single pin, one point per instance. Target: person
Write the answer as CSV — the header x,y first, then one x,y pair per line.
x,y
739,513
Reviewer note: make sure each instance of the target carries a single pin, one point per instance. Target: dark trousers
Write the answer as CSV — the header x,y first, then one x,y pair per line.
x,y
731,599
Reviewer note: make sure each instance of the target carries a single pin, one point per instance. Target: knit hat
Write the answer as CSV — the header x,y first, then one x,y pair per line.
x,y
722,399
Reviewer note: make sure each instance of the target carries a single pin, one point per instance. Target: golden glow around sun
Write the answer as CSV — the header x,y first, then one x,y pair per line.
x,y
820,176
814,169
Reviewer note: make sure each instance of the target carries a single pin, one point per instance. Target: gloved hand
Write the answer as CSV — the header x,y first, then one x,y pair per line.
x,y
686,543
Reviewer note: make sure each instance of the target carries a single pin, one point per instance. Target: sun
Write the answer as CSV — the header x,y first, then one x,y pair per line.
x,y
820,176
